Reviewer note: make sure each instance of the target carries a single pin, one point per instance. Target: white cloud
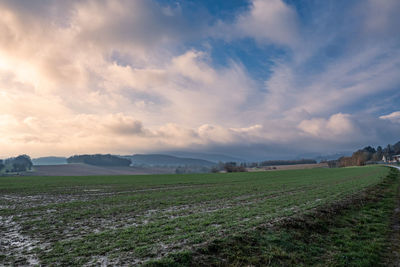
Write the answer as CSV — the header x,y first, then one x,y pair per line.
x,y
337,126
270,21
394,117
266,21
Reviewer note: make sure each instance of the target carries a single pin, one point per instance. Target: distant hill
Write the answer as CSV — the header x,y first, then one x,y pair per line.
x,y
167,160
49,161
205,156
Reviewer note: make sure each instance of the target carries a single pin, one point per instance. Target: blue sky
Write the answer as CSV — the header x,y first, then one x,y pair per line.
x,y
256,79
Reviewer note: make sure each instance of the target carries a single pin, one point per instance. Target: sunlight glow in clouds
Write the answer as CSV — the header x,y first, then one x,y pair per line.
x,y
140,76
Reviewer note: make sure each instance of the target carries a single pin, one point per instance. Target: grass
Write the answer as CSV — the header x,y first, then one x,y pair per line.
x,y
351,232
129,220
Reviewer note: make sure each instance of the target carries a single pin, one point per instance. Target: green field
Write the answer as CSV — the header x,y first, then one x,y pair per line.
x,y
128,220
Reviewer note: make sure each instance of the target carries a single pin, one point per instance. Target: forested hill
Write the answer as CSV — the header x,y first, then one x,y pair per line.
x,y
100,160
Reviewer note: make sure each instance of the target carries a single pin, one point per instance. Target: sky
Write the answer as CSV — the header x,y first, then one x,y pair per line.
x,y
256,79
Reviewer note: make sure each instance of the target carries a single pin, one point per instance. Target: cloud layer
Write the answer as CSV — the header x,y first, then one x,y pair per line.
x,y
140,76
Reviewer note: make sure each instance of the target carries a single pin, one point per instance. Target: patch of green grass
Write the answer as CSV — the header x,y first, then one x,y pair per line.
x,y
133,219
349,233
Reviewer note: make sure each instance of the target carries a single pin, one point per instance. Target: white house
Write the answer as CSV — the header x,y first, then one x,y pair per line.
x,y
392,159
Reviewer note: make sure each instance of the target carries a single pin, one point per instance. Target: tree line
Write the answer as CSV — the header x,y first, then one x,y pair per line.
x,y
367,155
286,162
100,160
18,164
242,167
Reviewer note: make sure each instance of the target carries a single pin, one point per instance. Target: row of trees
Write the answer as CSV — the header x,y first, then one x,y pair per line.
x,y
18,164
242,167
269,163
286,162
366,155
100,160
229,167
